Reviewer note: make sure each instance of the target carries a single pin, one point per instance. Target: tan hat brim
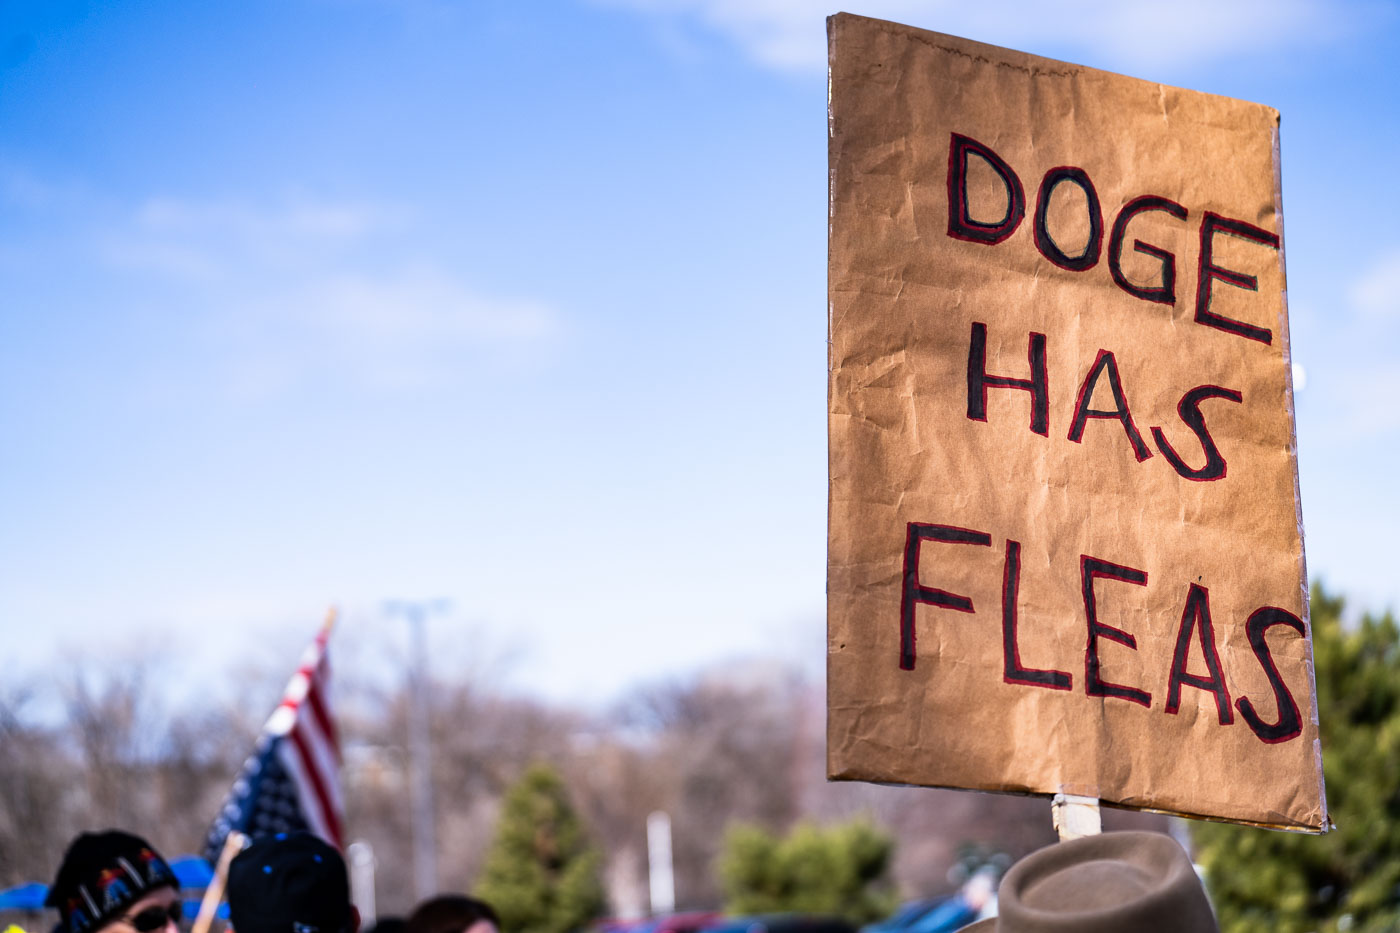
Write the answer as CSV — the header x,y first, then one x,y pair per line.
x,y
981,926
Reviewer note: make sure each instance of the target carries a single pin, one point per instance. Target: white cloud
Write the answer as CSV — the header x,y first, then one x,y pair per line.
x,y
298,217
1377,293
410,327
304,289
167,259
1370,392
790,34
212,239
19,188
422,304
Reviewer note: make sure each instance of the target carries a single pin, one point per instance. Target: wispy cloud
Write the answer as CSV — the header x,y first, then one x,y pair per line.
x,y
409,328
207,239
299,216
300,289
1369,393
1353,371
790,34
1377,293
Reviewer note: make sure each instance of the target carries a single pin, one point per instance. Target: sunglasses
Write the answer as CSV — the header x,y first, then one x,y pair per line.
x,y
155,918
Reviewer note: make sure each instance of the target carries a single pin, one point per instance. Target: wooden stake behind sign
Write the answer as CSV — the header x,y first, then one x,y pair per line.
x,y
213,894
1075,816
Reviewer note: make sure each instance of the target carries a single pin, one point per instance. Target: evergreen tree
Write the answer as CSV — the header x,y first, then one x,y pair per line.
x,y
1349,879
541,874
839,870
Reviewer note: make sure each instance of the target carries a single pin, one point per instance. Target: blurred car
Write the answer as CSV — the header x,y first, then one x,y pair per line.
x,y
690,922
782,923
687,922
933,915
906,914
616,925
809,923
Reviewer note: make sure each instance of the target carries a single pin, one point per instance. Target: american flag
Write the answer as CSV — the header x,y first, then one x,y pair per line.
x,y
291,781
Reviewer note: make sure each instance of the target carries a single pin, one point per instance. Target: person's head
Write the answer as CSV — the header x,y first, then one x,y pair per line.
x,y
290,883
1126,882
453,913
114,881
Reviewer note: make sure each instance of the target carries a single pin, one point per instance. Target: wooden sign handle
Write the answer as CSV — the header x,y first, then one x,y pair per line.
x,y
233,844
1075,816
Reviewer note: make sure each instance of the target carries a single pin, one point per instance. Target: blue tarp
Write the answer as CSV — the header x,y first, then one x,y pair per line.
x,y
192,871
25,897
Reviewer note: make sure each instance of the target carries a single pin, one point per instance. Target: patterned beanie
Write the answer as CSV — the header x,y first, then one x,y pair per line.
x,y
103,874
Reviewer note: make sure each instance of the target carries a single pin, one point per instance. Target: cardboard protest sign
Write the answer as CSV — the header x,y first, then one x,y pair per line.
x,y
1065,547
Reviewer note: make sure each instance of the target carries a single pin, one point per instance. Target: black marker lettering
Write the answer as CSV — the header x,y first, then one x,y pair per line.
x,y
1094,685
1046,243
1196,617
1166,292
961,226
978,381
1121,412
1208,270
1189,408
915,592
1290,724
1013,671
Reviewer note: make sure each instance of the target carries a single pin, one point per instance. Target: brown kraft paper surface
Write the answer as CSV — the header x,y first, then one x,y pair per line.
x,y
1038,418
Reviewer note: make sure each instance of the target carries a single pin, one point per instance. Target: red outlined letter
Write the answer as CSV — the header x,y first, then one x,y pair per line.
x,y
1045,242
1290,724
1013,672
1208,270
1196,617
1189,408
915,592
1091,568
1166,292
978,381
960,225
1082,411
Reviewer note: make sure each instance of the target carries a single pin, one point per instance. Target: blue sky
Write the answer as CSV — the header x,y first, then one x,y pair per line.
x,y
523,304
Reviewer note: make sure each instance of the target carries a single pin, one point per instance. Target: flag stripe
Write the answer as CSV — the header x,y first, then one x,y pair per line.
x,y
318,786
323,716
309,806
320,756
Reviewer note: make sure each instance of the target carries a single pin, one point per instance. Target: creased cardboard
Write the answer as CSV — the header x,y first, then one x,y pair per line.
x,y
1065,548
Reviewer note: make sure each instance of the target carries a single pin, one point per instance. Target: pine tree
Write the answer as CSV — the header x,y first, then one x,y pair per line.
x,y
541,873
839,870
1348,880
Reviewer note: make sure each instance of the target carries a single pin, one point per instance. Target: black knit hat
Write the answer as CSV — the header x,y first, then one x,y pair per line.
x,y
102,875
289,883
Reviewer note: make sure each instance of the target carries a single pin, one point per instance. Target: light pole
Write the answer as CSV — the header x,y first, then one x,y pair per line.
x,y
420,746
663,879
360,855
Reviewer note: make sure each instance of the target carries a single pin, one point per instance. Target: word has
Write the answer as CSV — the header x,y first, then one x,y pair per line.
x,y
1105,366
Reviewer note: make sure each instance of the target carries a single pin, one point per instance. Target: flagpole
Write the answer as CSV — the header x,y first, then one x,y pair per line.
x,y
233,844
420,743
